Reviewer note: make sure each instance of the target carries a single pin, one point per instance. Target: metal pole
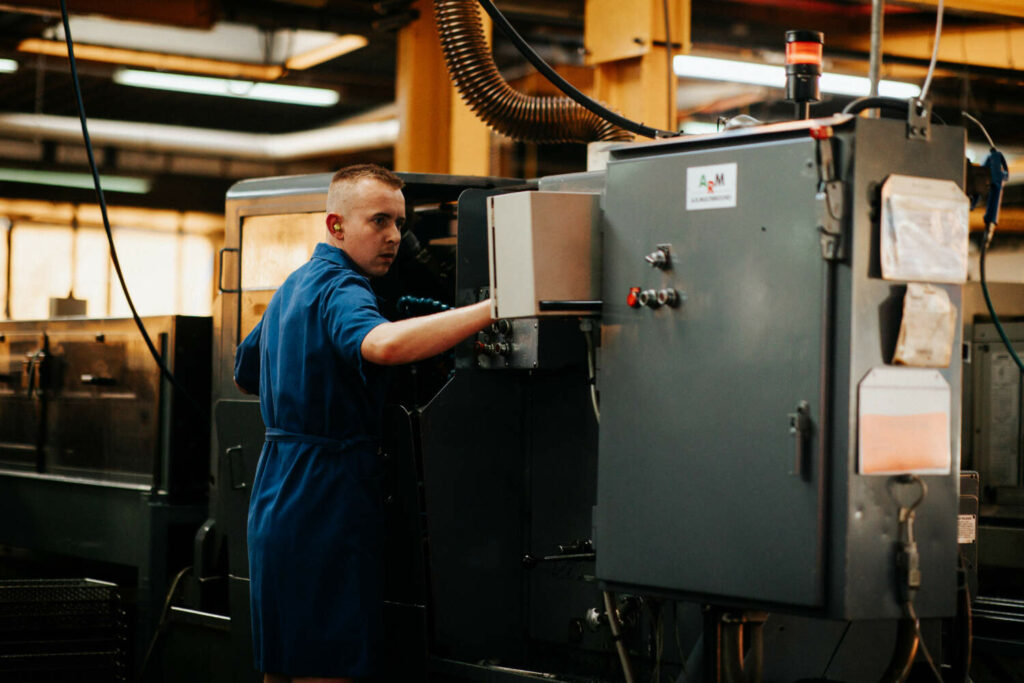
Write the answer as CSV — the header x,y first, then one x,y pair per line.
x,y
877,25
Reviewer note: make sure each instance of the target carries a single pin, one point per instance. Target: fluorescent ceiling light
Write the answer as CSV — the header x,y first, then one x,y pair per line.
x,y
110,183
336,48
226,41
8,66
708,68
268,92
153,60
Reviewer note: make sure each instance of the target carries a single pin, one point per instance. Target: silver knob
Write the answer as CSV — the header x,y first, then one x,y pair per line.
x,y
669,297
649,298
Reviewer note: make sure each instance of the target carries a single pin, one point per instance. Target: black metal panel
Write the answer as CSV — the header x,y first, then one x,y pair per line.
x,y
474,464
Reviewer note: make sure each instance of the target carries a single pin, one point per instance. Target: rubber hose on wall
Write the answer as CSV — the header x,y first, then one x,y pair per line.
x,y
521,117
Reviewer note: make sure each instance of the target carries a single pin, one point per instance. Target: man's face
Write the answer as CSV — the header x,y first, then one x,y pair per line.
x,y
368,225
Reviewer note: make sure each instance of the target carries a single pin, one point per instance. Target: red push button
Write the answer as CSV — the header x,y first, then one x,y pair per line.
x,y
633,298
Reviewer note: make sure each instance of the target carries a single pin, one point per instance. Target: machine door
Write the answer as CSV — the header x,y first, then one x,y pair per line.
x,y
22,362
709,470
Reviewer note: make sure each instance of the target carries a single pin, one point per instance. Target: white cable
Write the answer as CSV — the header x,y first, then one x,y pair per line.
x,y
935,52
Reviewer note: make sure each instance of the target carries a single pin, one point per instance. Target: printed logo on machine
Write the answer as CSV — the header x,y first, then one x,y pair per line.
x,y
711,187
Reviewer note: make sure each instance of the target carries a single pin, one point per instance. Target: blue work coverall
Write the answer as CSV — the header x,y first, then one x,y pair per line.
x,y
315,527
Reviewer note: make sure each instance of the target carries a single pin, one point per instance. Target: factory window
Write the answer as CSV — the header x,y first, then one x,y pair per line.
x,y
5,232
168,270
40,260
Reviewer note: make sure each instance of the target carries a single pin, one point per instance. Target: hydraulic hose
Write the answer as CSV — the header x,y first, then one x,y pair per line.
x,y
509,112
903,653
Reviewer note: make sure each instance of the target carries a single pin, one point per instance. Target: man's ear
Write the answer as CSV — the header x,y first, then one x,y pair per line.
x,y
334,222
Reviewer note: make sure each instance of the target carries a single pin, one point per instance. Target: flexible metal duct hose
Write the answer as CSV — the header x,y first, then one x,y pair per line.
x,y
521,117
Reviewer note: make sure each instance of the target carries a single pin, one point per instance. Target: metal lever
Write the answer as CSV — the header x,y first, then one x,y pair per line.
x,y
800,428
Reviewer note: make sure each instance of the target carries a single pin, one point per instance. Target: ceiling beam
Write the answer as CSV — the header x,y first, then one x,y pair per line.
x,y
1004,8
994,46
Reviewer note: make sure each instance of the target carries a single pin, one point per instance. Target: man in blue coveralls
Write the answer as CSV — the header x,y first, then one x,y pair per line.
x,y
315,522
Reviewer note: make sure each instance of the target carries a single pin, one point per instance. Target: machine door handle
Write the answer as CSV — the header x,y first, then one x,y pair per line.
x,y
220,270
235,463
800,430
98,380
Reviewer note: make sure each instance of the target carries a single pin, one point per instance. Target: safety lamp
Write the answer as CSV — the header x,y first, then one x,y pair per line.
x,y
803,69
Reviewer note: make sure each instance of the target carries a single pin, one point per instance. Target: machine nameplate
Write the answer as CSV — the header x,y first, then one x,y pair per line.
x,y
711,187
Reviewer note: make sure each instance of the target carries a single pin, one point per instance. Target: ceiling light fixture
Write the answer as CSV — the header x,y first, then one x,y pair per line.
x,y
202,85
110,183
689,66
336,48
153,60
8,66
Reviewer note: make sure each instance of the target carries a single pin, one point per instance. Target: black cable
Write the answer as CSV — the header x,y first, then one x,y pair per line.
x,y
835,650
988,299
891,104
163,615
597,108
103,211
996,164
920,639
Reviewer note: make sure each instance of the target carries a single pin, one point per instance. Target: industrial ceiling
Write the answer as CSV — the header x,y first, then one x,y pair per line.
x,y
981,68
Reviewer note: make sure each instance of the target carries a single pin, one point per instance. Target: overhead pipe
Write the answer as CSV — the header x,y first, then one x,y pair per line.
x,y
542,119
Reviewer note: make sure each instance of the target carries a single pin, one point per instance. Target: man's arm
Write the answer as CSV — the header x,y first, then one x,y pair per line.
x,y
414,339
247,362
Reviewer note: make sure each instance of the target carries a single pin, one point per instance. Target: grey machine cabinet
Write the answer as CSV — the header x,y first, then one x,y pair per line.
x,y
703,491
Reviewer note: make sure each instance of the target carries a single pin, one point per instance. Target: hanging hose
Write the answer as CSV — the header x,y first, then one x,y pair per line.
x,y
903,653
509,112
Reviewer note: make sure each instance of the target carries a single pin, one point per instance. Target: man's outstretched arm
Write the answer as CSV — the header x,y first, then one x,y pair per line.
x,y
406,341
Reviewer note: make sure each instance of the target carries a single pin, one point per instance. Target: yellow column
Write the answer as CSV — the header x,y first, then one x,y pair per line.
x,y
438,132
626,42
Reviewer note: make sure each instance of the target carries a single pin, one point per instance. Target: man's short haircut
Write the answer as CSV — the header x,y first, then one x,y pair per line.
x,y
355,173
351,174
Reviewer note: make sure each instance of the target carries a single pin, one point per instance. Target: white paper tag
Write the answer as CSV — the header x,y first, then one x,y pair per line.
x,y
927,329
966,529
924,230
711,187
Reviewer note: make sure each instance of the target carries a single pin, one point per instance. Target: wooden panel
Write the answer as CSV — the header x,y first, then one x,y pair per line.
x,y
614,30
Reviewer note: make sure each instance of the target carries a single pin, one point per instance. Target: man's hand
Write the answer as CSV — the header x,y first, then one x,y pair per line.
x,y
414,339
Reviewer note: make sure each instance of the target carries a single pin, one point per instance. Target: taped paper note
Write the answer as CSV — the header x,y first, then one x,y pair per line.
x,y
903,424
927,329
924,230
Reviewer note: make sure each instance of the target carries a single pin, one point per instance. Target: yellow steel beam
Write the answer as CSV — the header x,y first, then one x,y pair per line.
x,y
438,132
995,46
1006,8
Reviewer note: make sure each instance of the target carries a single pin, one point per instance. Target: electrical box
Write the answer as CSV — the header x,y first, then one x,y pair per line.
x,y
543,252
745,320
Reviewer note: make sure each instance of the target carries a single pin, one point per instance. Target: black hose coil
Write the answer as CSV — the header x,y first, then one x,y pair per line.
x,y
521,117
